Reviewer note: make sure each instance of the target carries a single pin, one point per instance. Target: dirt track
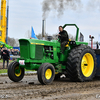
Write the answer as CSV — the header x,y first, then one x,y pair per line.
x,y
30,89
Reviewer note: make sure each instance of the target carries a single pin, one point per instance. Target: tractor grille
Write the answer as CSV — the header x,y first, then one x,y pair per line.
x,y
24,49
39,52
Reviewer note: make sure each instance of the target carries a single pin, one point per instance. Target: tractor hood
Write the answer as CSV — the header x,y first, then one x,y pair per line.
x,y
41,42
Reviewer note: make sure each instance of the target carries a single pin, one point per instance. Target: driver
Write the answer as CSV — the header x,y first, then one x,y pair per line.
x,y
63,38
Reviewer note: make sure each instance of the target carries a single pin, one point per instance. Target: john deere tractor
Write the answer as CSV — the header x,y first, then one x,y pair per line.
x,y
78,60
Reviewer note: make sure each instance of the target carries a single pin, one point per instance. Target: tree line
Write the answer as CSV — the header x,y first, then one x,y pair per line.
x,y
15,43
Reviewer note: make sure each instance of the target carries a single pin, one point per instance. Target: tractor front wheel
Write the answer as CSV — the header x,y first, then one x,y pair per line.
x,y
46,73
15,73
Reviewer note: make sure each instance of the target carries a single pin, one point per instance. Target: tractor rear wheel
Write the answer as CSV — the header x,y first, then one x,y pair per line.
x,y
81,64
15,73
46,73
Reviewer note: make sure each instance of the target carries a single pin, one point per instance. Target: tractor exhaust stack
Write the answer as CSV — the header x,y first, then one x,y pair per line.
x,y
43,29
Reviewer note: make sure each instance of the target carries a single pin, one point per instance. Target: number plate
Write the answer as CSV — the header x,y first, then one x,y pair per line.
x,y
22,62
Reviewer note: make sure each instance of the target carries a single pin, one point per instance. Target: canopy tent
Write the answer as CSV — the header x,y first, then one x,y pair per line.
x,y
2,44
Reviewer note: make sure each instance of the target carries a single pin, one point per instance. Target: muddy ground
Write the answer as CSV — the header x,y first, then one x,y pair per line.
x,y
1,65
30,89
63,89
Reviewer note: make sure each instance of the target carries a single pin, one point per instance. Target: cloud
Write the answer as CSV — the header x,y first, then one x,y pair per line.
x,y
93,5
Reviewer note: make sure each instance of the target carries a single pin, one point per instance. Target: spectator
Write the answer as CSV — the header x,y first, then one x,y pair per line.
x,y
1,52
18,52
5,56
15,52
12,51
9,51
97,44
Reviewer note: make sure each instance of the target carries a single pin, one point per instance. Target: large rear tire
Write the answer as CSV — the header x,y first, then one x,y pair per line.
x,y
15,73
46,73
81,64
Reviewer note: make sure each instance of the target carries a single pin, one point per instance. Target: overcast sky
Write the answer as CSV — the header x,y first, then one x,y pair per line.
x,y
26,13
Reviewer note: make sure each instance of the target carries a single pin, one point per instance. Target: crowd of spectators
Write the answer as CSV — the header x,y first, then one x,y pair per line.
x,y
14,52
6,55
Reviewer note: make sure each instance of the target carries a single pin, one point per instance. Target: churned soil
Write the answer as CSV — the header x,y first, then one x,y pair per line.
x,y
63,89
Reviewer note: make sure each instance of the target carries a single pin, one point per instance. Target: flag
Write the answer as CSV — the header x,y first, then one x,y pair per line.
x,y
81,37
33,34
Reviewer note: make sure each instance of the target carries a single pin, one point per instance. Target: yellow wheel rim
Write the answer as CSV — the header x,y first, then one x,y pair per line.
x,y
18,71
87,64
48,74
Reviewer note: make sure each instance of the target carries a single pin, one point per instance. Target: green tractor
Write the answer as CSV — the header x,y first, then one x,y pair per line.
x,y
78,60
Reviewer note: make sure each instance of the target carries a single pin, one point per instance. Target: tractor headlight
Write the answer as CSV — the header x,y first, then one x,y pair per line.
x,y
72,42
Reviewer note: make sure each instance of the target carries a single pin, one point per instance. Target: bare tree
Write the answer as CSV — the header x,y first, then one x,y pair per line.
x,y
17,42
54,36
13,42
71,37
28,34
39,36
